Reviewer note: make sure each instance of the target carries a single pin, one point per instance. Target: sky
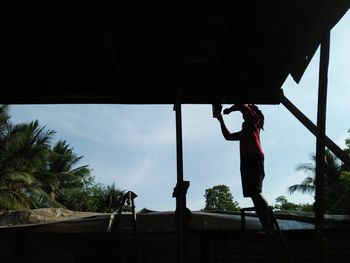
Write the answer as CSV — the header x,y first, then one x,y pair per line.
x,y
134,146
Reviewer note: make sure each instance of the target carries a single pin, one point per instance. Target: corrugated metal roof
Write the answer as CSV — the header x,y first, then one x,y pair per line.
x,y
62,220
160,51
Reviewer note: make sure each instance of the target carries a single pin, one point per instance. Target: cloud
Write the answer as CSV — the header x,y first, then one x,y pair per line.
x,y
72,121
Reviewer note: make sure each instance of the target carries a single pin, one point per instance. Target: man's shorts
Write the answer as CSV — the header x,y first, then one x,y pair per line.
x,y
252,173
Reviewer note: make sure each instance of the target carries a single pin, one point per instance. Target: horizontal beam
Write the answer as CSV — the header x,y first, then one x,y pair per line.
x,y
111,89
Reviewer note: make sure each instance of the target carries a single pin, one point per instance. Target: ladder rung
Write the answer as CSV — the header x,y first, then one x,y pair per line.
x,y
248,209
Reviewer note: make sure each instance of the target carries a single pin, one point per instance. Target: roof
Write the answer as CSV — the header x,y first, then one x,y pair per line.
x,y
63,220
158,52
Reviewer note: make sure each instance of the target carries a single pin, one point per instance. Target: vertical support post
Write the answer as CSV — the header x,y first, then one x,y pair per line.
x,y
320,149
179,158
182,214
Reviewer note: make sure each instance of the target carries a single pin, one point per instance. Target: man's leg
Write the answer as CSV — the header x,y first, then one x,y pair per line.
x,y
263,212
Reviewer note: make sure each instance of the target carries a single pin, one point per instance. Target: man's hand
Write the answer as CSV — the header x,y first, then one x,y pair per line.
x,y
236,107
227,111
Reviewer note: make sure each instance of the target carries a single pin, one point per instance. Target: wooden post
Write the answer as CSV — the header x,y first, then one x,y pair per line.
x,y
320,149
179,151
182,214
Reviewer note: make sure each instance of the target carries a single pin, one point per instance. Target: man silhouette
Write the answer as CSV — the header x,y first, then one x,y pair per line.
x,y
252,157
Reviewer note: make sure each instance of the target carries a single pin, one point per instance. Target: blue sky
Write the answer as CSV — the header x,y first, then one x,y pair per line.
x,y
135,145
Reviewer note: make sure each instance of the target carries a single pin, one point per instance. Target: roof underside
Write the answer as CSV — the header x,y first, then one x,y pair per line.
x,y
158,52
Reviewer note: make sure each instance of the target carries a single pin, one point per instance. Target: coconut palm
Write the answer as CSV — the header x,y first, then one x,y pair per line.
x,y
109,198
333,187
4,118
61,174
23,150
33,174
332,173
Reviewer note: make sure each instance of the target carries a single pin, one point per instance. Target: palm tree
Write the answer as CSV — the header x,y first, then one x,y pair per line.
x,y
61,174
33,174
109,197
23,149
333,188
4,118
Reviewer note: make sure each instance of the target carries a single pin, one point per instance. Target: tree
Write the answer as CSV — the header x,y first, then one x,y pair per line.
x,y
282,204
333,170
32,174
23,149
61,174
220,198
36,174
336,187
72,185
347,149
107,198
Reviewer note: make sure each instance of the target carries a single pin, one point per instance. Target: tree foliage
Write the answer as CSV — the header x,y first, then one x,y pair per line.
x,y
36,174
282,204
337,182
23,149
220,198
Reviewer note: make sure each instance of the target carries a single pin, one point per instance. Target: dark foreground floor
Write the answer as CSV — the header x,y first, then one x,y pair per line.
x,y
205,246
213,238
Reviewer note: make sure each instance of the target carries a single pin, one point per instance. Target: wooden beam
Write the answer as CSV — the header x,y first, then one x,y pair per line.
x,y
313,129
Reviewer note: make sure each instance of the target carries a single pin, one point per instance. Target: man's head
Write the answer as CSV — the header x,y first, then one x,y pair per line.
x,y
259,112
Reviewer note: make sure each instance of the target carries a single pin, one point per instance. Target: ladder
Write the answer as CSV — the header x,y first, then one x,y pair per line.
x,y
129,199
277,229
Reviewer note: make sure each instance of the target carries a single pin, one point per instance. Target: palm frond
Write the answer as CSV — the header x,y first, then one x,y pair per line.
x,y
40,135
309,168
81,171
303,188
4,118
12,200
308,181
15,176
40,198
